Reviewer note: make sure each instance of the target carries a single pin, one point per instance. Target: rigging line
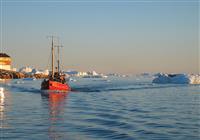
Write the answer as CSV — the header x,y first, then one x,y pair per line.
x,y
48,61
61,63
61,58
56,58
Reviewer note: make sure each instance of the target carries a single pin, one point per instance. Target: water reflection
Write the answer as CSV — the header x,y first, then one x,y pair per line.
x,y
4,104
56,106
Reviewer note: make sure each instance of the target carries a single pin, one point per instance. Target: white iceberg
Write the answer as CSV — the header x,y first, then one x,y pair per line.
x,y
44,72
25,69
32,71
72,72
94,74
162,78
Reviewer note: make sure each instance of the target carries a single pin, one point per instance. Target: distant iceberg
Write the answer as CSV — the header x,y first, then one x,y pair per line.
x,y
72,72
162,78
32,71
35,71
25,70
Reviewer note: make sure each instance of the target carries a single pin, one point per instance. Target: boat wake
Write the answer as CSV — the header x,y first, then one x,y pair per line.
x,y
91,86
107,89
25,89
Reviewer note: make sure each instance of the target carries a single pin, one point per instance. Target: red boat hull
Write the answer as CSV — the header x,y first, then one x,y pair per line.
x,y
54,85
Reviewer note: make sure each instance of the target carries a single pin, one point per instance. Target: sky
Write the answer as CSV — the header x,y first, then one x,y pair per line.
x,y
127,37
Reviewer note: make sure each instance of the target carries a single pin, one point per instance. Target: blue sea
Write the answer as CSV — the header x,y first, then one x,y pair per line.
x,y
131,108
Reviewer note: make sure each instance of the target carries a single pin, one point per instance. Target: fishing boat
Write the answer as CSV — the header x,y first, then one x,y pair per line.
x,y
56,80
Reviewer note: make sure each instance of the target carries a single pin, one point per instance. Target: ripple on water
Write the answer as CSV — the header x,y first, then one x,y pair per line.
x,y
115,110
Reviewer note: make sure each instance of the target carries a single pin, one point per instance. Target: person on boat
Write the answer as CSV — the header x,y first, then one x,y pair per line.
x,y
58,77
62,78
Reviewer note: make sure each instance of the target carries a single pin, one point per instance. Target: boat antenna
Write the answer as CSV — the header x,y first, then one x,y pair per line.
x,y
59,46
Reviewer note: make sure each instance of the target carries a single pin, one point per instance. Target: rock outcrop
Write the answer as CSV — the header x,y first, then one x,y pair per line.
x,y
6,74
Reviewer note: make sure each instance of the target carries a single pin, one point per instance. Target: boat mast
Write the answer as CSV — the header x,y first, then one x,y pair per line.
x,y
52,54
59,57
52,58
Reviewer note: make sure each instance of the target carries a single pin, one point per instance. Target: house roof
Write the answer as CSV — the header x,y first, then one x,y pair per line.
x,y
4,55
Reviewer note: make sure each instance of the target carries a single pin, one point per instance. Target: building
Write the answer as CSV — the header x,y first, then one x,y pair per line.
x,y
5,61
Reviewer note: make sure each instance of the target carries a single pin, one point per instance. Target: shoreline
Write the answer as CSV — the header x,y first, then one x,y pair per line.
x,y
9,74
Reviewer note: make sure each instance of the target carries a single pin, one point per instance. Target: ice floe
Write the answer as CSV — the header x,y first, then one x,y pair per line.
x,y
163,78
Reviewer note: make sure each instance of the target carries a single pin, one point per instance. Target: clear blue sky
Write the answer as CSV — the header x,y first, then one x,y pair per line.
x,y
108,36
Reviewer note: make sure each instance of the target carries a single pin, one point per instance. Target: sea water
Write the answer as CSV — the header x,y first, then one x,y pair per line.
x,y
100,109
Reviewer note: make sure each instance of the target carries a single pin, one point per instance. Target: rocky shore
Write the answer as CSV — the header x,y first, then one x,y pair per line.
x,y
5,74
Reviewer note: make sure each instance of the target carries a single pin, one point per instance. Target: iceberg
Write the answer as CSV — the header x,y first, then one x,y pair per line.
x,y
25,70
162,78
71,72
33,71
